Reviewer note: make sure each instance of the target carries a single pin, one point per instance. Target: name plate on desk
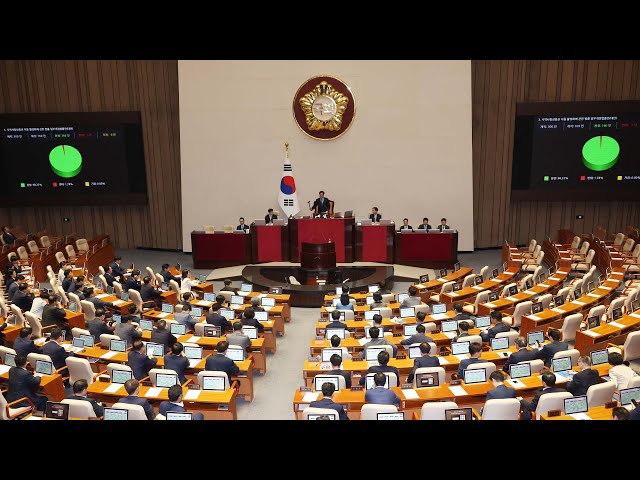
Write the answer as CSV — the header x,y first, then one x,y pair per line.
x,y
314,359
401,357
406,386
319,338
356,359
357,388
305,389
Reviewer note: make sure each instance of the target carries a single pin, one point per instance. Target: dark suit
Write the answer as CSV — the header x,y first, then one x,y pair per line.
x,y
12,290
346,375
375,218
422,362
167,406
380,368
443,227
8,237
549,350
322,205
164,337
52,315
178,364
417,338
270,218
336,324
148,294
97,327
252,322
464,364
23,383
522,355
135,400
422,227
220,363
493,331
67,283
257,308
166,274
25,346
219,321
381,396
328,403
127,332
56,352
140,364
635,413
529,407
98,409
98,303
244,227
405,227
110,279
23,300
461,316
582,380
501,391
117,270
132,283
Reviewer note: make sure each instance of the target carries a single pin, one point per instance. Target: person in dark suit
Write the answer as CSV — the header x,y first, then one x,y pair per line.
x,y
335,321
10,278
635,413
413,299
462,331
270,217
620,413
336,361
321,205
460,313
150,294
499,389
7,236
133,282
548,386
475,349
228,288
255,304
80,393
174,360
166,274
375,217
97,302
379,394
425,224
52,348
214,318
248,319
15,286
174,404
99,325
126,331
133,389
522,355
405,225
23,383
382,367
419,337
242,226
328,389
54,314
443,224
23,298
383,290
425,360
108,275
68,281
378,339
23,345
377,301
117,270
220,362
498,327
582,380
185,318
163,336
139,362
547,352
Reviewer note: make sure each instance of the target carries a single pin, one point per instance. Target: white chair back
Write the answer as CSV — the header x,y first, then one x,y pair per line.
x,y
151,274
89,310
71,253
501,409
206,373
17,314
631,347
105,339
435,410
469,280
370,411
619,238
34,322
153,374
484,272
313,411
79,409
4,350
33,246
159,279
551,401
82,245
79,369
117,289
22,253
135,297
599,394
511,335
546,300
33,357
174,287
76,332
536,365
571,353
490,367
136,412
10,413
439,370
628,245
117,366
570,326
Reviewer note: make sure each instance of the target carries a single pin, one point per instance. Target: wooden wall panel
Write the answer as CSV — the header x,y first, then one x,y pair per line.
x,y
150,87
497,86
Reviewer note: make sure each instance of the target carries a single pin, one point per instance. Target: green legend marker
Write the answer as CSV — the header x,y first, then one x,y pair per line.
x,y
600,153
66,161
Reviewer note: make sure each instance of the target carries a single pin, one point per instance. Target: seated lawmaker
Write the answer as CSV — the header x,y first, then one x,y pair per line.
x,y
383,367
80,393
375,334
23,383
328,389
117,270
425,224
7,236
425,360
248,318
133,282
97,302
270,217
139,362
418,337
405,225
344,303
108,275
228,288
220,362
499,390
443,224
377,301
379,394
23,298
150,294
335,321
175,404
187,283
242,226
475,350
498,326
412,300
132,387
585,378
167,275
375,217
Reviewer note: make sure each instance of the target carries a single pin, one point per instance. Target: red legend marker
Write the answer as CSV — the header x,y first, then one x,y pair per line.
x,y
583,178
55,184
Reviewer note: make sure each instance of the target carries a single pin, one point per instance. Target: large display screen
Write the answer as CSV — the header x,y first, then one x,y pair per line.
x,y
72,158
582,151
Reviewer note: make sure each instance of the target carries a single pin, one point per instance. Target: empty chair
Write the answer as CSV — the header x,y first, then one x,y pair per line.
x,y
551,401
619,238
472,338
490,367
207,373
469,280
575,290
580,254
530,265
522,308
536,274
74,298
571,353
45,242
536,365
79,369
597,311
293,281
484,272
389,298
63,295
7,412
76,332
439,370
533,253
17,315
226,295
570,325
136,412
617,303
173,285
101,270
523,281
313,411
532,245
4,350
446,288
79,409
546,300
600,393
501,409
585,265
505,290
71,253
33,357
22,253
151,274
384,311
33,246
82,245
393,379
482,297
89,310
34,322
227,228
418,308
511,335
628,245
370,411
435,410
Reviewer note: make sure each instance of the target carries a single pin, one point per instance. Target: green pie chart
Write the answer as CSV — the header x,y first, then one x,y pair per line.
x,y
66,161
600,153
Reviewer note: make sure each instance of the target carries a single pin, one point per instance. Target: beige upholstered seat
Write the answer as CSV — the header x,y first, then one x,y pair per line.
x,y
439,370
79,409
599,394
501,409
313,411
136,412
435,410
370,410
79,369
210,373
551,401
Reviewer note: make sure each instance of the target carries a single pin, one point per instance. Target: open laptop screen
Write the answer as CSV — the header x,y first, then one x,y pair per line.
x,y
178,329
10,359
213,383
628,394
458,414
116,414
336,331
369,300
261,316
318,381
499,343
237,300
459,348
407,312
57,411
402,297
268,301
332,416
483,322
179,416
598,357
235,354
448,326
88,340
368,314
520,370
118,345
155,349
146,325
374,288
409,330
121,376
209,297
328,352
246,287
414,352
561,364
439,308
212,331
228,314
372,353
575,405
534,337
43,367
167,308
166,380
251,332
475,375
196,312
192,353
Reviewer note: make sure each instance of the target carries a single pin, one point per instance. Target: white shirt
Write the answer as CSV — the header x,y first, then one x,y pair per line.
x,y
186,284
37,306
620,375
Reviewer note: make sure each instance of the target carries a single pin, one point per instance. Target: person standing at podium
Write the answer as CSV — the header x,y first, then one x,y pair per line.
x,y
375,216
270,217
244,227
443,224
425,224
321,205
405,225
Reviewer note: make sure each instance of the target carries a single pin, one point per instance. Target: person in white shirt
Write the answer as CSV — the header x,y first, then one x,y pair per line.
x,y
38,304
187,283
620,372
